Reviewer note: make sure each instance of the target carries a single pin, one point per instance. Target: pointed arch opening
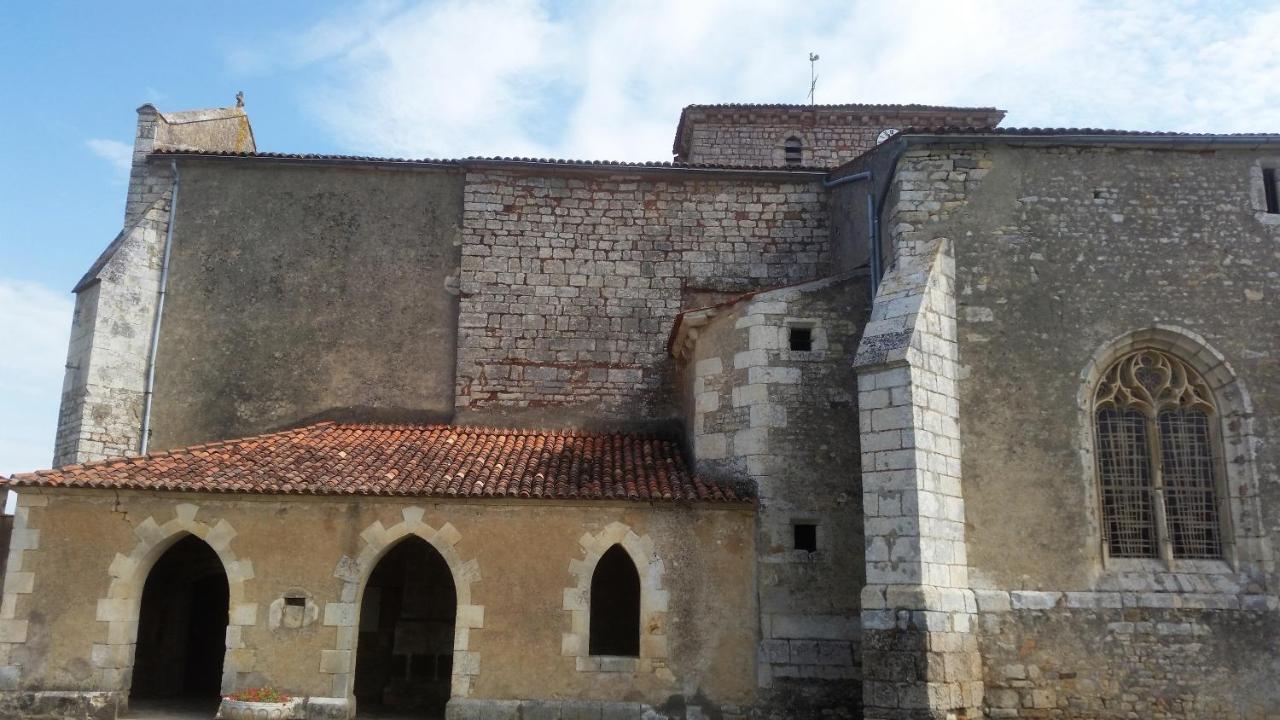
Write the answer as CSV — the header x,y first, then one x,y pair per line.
x,y
615,606
1158,449
182,628
405,644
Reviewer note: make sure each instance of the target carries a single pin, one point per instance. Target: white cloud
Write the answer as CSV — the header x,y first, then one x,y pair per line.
x,y
607,79
119,154
38,321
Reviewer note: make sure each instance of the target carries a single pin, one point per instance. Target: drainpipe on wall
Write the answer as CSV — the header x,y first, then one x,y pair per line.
x,y
873,223
149,388
893,171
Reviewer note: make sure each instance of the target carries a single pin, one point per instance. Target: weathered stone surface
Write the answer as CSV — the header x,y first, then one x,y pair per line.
x,y
571,284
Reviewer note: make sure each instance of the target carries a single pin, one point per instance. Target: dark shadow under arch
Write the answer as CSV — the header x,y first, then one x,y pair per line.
x,y
615,605
182,625
404,652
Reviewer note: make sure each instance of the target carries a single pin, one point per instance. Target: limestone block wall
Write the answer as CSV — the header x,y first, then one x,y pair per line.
x,y
80,559
103,388
571,283
920,647
112,329
830,136
147,181
786,419
1066,256
1106,656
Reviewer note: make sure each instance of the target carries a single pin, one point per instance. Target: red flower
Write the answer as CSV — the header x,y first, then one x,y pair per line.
x,y
260,695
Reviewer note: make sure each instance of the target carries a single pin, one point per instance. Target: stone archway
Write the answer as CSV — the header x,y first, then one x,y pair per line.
x,y
404,651
339,663
182,628
113,660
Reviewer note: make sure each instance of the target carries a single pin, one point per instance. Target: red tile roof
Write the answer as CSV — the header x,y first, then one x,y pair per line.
x,y
412,461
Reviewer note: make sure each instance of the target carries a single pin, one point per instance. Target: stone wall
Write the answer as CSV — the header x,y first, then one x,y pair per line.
x,y
103,390
327,292
786,419
919,650
1113,663
80,560
571,283
1065,257
830,136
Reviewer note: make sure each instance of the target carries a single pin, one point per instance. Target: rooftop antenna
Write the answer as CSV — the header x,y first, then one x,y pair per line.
x,y
813,75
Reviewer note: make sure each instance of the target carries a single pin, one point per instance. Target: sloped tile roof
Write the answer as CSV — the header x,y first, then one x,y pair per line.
x,y
413,461
552,163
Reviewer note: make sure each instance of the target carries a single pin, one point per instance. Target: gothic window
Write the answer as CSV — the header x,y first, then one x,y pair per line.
x,y
1157,459
793,151
615,606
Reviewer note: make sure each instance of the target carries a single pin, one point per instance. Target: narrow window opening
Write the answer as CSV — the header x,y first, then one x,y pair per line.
x,y
1271,189
793,151
806,537
801,339
615,606
300,602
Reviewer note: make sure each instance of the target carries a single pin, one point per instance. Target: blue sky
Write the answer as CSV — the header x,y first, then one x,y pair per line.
x,y
593,79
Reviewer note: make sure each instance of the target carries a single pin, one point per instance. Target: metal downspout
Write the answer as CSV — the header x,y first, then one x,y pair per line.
x,y
149,388
876,242
873,225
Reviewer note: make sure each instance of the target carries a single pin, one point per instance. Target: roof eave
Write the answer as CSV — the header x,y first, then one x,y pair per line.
x,y
1133,140
602,167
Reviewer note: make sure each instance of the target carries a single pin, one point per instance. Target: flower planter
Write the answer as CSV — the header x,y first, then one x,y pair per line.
x,y
245,710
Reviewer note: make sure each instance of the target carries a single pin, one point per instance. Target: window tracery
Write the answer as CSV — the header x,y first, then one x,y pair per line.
x,y
1157,459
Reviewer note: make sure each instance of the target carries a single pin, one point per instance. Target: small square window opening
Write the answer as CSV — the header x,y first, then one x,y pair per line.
x,y
801,339
1271,189
806,537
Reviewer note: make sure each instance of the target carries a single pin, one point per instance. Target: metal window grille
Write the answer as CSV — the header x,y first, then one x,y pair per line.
x,y
793,151
1191,507
1124,465
1156,460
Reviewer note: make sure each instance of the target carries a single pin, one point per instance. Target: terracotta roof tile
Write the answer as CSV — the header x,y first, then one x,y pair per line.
x,y
415,461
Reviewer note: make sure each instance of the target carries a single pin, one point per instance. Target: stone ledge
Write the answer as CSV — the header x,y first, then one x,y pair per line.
x,y
996,601
479,709
61,705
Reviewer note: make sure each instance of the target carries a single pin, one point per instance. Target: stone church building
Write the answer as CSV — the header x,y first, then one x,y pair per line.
x,y
850,411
